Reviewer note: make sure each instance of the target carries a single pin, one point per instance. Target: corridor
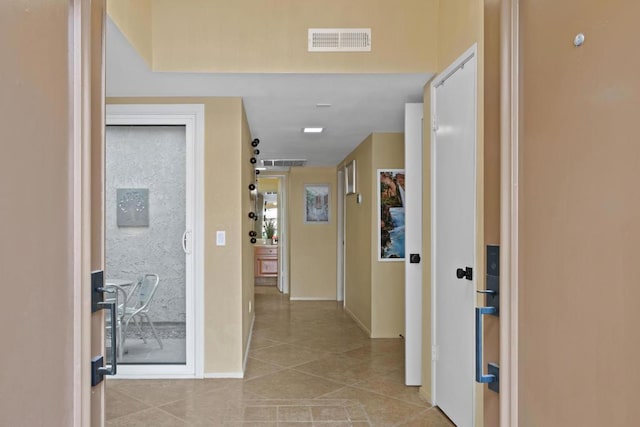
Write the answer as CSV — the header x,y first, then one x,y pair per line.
x,y
309,365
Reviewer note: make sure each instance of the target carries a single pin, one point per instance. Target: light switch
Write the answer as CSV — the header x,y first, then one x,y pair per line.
x,y
221,238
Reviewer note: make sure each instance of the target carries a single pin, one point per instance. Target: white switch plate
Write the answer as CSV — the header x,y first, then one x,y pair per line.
x,y
221,238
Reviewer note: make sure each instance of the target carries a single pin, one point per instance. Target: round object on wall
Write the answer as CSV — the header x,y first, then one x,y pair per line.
x,y
253,160
255,142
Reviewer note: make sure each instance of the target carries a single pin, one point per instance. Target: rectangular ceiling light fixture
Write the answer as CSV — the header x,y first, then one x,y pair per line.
x,y
339,40
312,130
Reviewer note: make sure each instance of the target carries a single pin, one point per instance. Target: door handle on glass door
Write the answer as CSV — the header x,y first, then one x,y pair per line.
x,y
184,242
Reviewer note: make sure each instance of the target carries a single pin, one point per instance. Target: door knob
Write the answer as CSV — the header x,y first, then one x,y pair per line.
x,y
466,273
414,258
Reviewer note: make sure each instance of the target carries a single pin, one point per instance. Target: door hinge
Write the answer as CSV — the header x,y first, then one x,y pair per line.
x,y
434,123
434,353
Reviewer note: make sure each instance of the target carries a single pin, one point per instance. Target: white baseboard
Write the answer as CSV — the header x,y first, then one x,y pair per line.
x,y
311,299
358,322
246,353
224,375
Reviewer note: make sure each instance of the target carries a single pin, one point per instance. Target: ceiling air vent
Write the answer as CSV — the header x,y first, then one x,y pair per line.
x,y
287,163
339,39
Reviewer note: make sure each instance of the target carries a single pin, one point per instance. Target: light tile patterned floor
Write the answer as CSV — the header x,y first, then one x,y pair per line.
x,y
309,365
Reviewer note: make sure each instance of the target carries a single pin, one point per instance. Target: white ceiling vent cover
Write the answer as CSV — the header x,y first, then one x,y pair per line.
x,y
339,39
284,162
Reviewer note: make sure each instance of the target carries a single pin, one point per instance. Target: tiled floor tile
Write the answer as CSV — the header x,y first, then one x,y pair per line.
x,y
261,413
381,410
120,404
294,413
290,384
310,365
429,418
149,417
339,368
329,413
257,368
286,355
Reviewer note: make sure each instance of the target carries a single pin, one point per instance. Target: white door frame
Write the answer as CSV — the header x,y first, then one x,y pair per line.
x,y
509,211
192,117
340,223
437,81
413,129
283,235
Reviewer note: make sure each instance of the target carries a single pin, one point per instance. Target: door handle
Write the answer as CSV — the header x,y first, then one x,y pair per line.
x,y
414,258
480,376
113,308
466,273
184,242
98,370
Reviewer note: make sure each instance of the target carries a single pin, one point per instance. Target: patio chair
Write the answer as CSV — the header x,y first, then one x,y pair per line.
x,y
137,307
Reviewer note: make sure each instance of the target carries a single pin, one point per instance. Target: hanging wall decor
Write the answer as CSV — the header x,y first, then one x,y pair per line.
x,y
391,214
316,198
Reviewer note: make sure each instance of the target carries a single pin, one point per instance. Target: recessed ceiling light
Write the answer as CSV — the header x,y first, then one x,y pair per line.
x,y
312,130
323,105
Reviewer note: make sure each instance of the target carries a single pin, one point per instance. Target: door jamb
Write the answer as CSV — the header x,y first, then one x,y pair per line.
x,y
509,212
340,291
192,116
437,81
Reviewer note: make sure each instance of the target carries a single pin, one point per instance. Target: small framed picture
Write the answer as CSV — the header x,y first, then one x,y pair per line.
x,y
350,177
316,198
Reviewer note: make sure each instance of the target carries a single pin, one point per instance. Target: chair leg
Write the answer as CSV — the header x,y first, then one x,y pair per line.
x,y
119,339
139,325
153,329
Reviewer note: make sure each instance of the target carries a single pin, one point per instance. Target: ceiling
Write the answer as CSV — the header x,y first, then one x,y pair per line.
x,y
278,106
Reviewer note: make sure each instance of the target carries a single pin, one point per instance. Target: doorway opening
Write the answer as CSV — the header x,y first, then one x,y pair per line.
x,y
271,263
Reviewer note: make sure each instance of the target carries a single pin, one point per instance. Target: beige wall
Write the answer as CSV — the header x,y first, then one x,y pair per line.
x,y
358,231
313,247
226,288
269,36
248,224
133,18
374,290
578,226
266,184
387,302
459,26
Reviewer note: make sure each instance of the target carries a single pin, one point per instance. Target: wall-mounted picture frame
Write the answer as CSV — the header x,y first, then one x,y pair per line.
x,y
132,206
317,209
350,178
391,233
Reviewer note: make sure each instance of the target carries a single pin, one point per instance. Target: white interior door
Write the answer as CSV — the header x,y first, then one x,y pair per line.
x,y
413,243
454,237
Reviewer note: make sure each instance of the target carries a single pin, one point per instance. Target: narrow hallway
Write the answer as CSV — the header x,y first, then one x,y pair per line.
x,y
309,365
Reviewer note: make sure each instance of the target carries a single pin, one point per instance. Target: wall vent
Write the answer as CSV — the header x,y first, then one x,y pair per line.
x,y
287,163
339,39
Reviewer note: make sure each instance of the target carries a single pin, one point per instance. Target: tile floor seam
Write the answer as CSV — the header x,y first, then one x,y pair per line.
x,y
390,397
148,405
318,376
